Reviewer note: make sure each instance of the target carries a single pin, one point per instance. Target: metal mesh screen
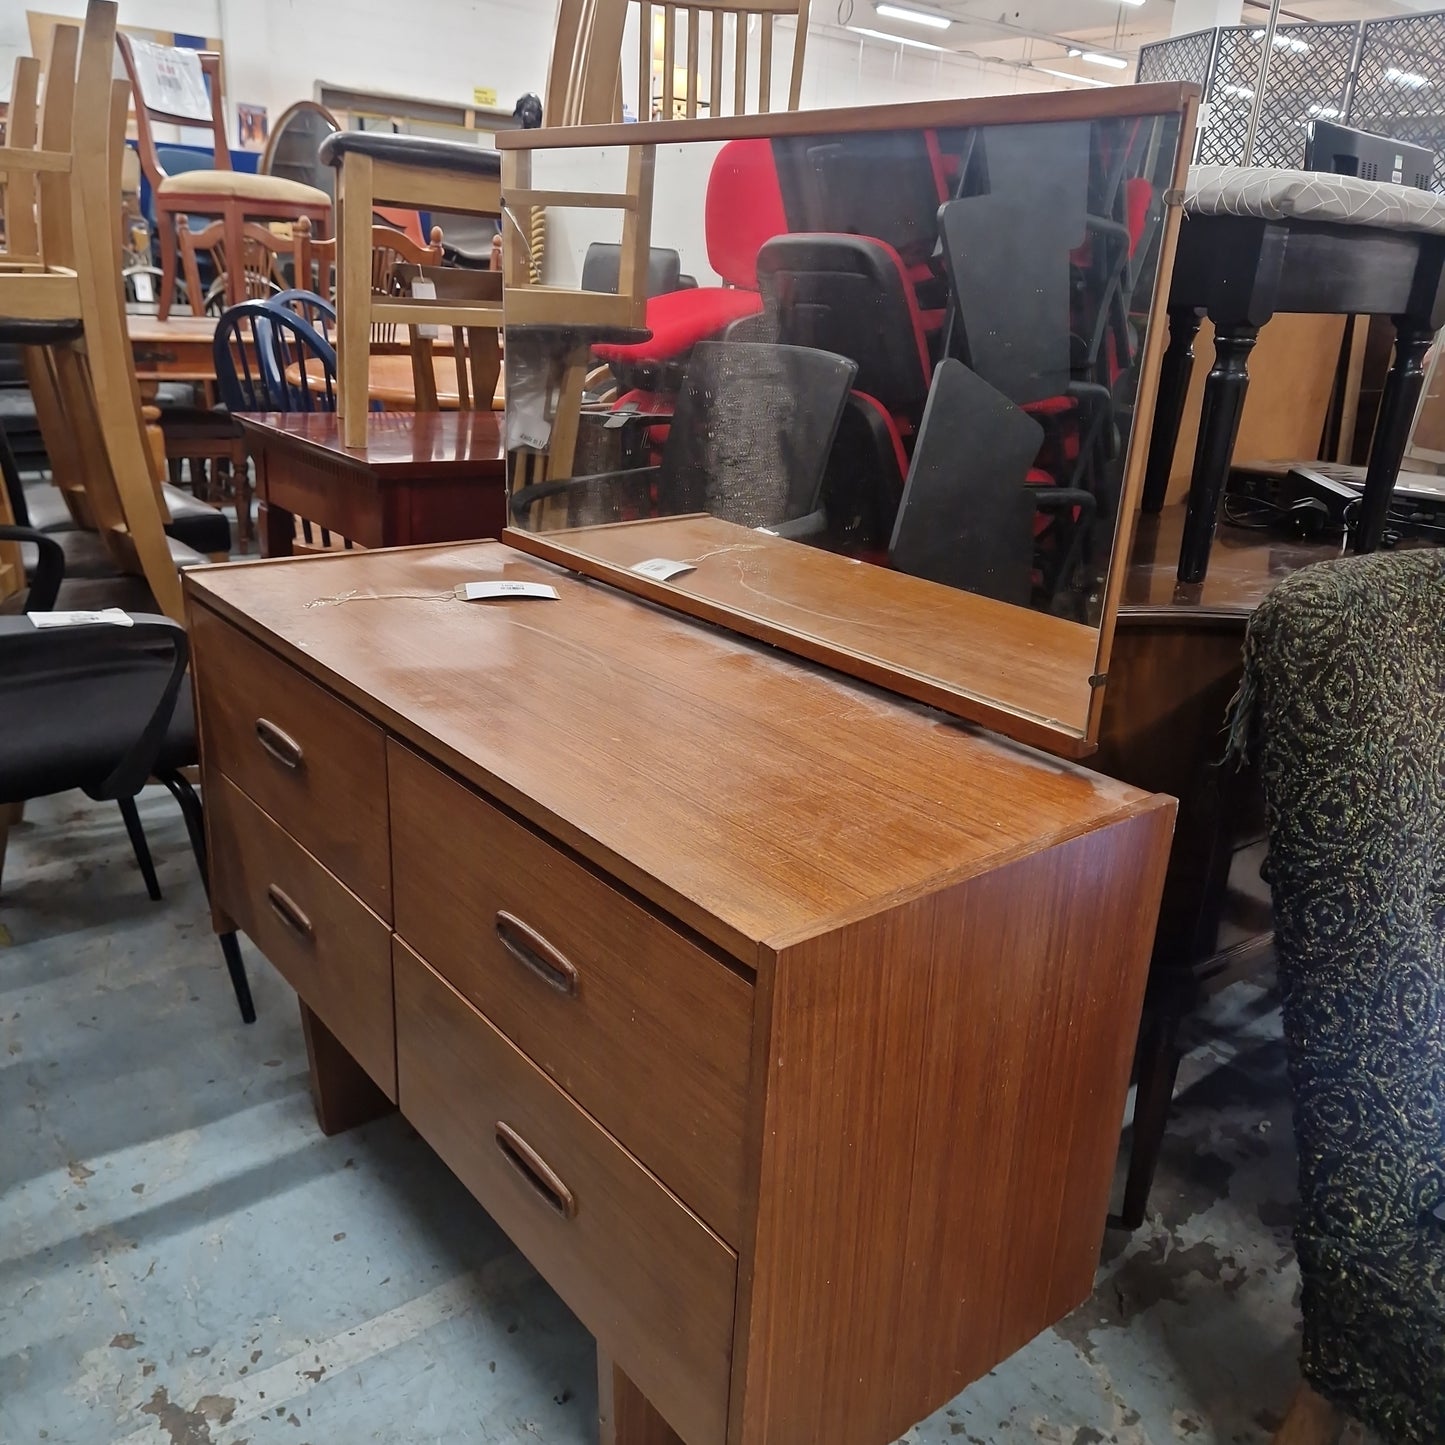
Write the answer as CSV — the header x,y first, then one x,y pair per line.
x,y
1398,83
1183,58
1309,78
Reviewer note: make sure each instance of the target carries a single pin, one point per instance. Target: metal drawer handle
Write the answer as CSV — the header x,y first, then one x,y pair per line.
x,y
535,954
281,745
536,1171
284,907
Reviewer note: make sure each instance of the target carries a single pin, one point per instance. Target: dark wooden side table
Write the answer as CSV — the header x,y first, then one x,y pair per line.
x,y
1240,270
421,477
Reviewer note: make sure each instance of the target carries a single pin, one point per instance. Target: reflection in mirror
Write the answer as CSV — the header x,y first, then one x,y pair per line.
x,y
917,350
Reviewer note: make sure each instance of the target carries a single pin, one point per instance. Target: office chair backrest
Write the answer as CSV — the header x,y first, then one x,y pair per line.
x,y
752,431
743,210
850,295
257,343
602,266
966,517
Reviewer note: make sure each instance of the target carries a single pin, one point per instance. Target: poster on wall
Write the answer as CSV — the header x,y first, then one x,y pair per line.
x,y
251,126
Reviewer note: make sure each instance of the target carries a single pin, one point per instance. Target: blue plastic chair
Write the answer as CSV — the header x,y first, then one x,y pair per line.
x,y
257,344
315,310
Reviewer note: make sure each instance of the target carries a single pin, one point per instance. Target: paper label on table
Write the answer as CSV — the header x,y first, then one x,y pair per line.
x,y
488,591
423,288
662,569
112,615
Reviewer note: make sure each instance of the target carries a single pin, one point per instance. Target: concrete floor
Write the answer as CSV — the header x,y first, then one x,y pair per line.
x,y
184,1260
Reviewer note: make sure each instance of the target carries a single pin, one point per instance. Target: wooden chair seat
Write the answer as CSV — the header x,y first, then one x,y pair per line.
x,y
245,186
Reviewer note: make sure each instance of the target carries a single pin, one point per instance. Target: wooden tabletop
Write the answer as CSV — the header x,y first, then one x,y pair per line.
x,y
398,443
1245,565
178,349
1019,661
390,381
618,728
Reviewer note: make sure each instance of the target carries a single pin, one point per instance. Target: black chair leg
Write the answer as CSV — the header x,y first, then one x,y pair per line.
x,y
140,847
1159,1060
190,806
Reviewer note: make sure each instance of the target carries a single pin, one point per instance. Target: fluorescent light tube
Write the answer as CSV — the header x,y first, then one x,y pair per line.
x,y
1094,57
1068,75
897,39
913,17
1406,77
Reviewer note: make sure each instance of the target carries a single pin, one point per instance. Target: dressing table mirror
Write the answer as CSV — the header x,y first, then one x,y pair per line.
x,y
871,385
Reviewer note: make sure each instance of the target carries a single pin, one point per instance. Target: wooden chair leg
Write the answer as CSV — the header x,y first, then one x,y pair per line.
x,y
353,296
166,231
1312,1420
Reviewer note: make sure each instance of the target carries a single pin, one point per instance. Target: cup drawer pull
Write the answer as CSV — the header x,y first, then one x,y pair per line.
x,y
280,744
534,953
536,1171
285,908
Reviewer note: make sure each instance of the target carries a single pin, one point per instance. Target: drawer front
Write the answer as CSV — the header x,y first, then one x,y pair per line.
x,y
647,1032
642,1273
314,764
324,941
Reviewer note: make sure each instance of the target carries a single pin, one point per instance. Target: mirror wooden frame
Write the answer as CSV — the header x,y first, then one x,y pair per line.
x,y
1010,649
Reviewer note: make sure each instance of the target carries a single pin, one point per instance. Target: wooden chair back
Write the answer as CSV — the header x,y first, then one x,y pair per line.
x,y
264,254
88,402
390,248
139,57
22,121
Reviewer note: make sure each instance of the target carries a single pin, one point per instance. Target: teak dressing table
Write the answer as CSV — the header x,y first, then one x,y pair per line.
x,y
783,1022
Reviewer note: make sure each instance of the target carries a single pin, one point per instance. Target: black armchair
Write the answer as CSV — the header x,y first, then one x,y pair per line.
x,y
102,708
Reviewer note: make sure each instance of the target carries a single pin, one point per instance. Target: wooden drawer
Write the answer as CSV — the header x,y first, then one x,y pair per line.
x,y
313,763
646,1277
644,1029
327,944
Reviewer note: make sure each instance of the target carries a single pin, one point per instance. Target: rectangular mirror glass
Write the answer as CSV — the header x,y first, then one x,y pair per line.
x,y
870,385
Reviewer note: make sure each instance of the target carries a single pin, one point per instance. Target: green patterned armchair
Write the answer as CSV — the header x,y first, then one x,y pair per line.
x,y
1345,690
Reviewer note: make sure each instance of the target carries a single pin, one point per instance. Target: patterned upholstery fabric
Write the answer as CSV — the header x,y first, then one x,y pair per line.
x,y
1279,195
1345,678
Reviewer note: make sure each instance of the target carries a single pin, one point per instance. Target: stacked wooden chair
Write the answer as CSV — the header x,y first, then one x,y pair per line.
x,y
62,298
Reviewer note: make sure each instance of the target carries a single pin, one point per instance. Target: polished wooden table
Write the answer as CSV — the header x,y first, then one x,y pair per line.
x,y
178,349
392,383
784,1025
1241,271
422,477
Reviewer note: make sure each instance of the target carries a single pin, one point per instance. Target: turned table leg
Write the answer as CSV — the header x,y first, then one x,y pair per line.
x,y
1174,374
1224,394
343,1092
624,1414
1403,385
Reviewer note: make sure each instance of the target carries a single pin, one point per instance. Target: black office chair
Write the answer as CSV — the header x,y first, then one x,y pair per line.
x,y
102,708
256,344
748,442
603,263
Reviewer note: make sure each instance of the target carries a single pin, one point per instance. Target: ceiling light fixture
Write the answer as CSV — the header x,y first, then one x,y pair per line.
x,y
897,39
1407,77
1095,57
1069,75
912,17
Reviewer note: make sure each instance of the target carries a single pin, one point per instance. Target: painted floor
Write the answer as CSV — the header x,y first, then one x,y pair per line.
x,y
185,1260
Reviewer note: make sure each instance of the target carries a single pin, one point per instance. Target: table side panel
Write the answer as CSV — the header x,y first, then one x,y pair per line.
x,y
944,1087
650,1033
640,1271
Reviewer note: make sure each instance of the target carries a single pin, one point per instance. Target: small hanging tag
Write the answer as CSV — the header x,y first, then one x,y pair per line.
x,y
423,288
490,591
661,569
113,615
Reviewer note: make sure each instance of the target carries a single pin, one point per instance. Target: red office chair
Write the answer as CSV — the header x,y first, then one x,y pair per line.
x,y
743,210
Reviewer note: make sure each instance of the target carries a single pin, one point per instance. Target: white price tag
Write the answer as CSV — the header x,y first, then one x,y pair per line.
x,y
489,591
661,569
145,289
112,615
423,288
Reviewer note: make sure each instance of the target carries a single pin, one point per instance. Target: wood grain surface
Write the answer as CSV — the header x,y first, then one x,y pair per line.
x,y
735,788
1024,673
315,765
648,1032
641,1272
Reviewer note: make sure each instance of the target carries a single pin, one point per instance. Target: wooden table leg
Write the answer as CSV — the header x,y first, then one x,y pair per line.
x,y
1174,374
624,1415
276,529
1224,394
343,1092
1403,385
